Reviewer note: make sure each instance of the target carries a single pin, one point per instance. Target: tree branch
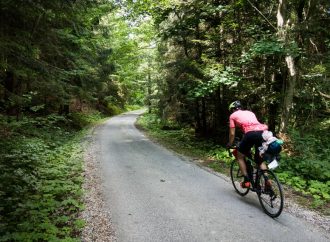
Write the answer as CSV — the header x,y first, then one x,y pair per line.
x,y
262,15
324,95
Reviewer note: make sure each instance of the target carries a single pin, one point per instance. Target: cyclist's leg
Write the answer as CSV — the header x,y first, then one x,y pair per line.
x,y
258,159
241,163
246,183
263,166
257,143
244,149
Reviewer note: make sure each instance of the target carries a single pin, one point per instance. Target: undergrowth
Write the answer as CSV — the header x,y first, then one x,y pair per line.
x,y
307,171
41,177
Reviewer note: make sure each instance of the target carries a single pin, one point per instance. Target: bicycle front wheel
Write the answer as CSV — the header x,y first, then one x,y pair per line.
x,y
270,193
236,178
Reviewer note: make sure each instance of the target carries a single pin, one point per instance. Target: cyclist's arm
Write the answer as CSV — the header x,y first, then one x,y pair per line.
x,y
231,135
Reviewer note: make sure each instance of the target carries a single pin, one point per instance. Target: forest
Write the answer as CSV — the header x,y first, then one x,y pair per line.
x,y
68,64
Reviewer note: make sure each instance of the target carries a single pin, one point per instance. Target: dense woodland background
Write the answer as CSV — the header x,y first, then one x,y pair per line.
x,y
65,64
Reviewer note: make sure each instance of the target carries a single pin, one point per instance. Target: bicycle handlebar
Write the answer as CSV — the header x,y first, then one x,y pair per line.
x,y
233,147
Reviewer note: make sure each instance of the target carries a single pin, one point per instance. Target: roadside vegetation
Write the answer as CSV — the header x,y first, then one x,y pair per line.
x,y
41,177
304,169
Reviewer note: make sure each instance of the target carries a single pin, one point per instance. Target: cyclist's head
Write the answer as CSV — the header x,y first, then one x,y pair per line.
x,y
235,106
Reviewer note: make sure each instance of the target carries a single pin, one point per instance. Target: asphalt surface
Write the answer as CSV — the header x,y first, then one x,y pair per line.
x,y
155,195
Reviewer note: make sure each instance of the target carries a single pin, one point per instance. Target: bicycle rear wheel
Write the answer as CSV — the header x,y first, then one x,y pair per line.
x,y
270,193
236,178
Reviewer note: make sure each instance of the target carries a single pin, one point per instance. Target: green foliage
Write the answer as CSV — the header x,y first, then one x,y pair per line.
x,y
217,76
182,139
132,107
41,179
133,54
65,52
219,153
311,158
81,120
267,47
307,171
318,191
113,109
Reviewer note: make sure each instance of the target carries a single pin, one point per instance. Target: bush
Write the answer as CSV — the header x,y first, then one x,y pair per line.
x,y
41,178
133,107
307,170
113,109
81,120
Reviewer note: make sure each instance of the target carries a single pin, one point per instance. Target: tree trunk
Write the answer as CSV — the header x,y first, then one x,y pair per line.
x,y
149,91
204,123
283,28
198,127
288,94
12,87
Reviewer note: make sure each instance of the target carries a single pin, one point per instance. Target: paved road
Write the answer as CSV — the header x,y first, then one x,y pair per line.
x,y
154,195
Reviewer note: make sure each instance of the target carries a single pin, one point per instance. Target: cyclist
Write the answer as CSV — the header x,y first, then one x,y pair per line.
x,y
252,129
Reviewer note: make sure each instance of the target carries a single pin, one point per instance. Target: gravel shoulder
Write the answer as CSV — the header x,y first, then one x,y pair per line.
x,y
98,216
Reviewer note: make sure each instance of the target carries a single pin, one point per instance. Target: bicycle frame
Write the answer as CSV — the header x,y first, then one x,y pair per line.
x,y
252,168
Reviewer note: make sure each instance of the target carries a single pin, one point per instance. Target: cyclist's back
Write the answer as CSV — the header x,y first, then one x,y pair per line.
x,y
246,121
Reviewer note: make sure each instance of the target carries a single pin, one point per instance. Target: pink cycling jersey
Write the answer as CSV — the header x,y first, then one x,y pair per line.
x,y
246,120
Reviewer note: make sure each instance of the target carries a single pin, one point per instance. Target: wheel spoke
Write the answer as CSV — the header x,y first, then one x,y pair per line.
x,y
270,195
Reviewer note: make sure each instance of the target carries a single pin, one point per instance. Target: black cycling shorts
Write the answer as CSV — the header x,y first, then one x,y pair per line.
x,y
250,139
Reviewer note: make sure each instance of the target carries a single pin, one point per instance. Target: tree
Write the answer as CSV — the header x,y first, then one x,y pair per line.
x,y
49,53
216,51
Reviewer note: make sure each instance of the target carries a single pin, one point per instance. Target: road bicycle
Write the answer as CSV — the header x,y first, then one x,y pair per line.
x,y
263,182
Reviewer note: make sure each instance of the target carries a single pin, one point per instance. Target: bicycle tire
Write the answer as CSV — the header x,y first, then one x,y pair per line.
x,y
271,197
236,178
